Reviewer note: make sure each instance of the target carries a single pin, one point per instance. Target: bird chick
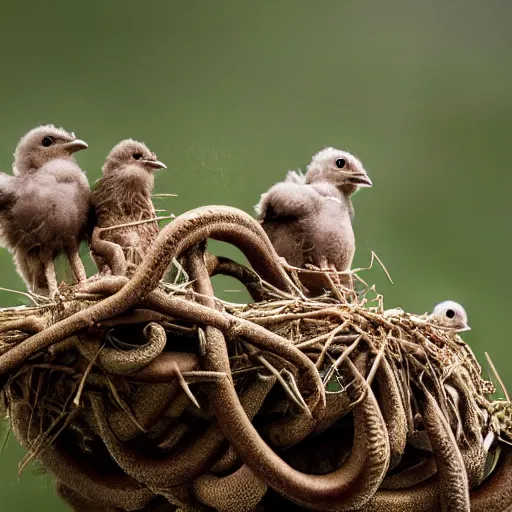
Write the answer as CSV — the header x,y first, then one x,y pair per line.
x,y
122,196
450,315
44,207
308,218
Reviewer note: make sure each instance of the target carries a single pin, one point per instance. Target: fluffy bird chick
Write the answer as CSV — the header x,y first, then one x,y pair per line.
x,y
122,196
450,315
44,207
308,218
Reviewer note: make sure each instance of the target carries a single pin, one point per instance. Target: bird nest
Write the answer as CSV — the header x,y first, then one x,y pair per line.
x,y
143,394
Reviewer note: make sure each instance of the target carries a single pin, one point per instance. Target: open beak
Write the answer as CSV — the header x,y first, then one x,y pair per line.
x,y
76,145
359,178
154,164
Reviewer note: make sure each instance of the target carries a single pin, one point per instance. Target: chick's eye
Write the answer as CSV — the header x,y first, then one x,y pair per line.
x,y
450,313
47,141
137,156
340,163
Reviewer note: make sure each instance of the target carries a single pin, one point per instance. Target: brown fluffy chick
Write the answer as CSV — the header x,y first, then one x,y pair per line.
x,y
123,195
44,207
308,218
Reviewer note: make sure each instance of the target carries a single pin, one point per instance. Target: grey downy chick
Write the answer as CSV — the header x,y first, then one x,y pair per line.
x,y
308,218
450,315
121,196
44,207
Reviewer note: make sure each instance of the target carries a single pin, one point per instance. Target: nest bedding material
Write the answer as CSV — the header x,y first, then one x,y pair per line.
x,y
142,394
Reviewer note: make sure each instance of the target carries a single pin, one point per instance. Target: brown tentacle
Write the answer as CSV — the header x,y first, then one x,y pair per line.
x,y
404,392
289,431
137,316
148,403
219,222
185,310
234,327
226,462
254,398
492,495
495,493
115,361
184,465
240,491
412,476
108,252
391,405
421,498
127,362
173,469
453,482
79,503
471,444
419,439
30,324
178,496
337,405
163,367
176,433
251,280
304,424
97,482
350,486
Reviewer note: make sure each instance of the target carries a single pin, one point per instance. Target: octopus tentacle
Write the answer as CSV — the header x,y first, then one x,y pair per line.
x,y
254,399
78,502
164,367
471,444
184,465
494,493
412,476
420,498
453,482
173,469
148,402
237,327
226,462
130,361
81,473
391,405
348,487
119,362
239,492
289,431
251,280
220,222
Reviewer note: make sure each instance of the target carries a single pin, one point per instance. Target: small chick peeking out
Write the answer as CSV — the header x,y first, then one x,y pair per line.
x,y
308,218
44,207
450,315
123,195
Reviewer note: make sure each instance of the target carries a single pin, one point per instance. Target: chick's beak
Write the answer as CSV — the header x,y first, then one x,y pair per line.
x,y
464,328
76,145
359,178
154,164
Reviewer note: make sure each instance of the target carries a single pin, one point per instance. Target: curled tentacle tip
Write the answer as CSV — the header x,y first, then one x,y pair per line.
x,y
152,328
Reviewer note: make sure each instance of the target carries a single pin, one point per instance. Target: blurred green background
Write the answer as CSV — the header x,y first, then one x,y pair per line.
x,y
232,94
